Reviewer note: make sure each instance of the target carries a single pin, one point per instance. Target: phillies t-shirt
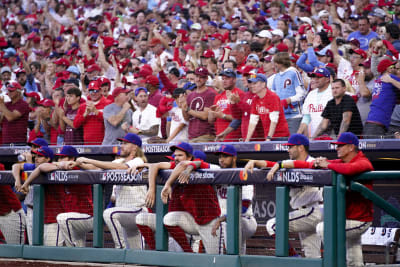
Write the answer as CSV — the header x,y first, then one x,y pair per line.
x,y
198,101
264,106
222,101
15,131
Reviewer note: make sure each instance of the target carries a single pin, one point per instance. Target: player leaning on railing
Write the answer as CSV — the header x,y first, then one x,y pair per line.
x,y
359,211
305,200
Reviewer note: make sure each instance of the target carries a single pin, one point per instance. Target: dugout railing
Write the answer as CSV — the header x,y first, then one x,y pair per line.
x,y
334,218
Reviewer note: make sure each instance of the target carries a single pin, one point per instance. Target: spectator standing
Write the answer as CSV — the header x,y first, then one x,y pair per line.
x,y
116,114
14,116
221,113
383,101
144,120
90,116
267,107
364,33
341,113
196,110
72,135
178,130
288,85
316,101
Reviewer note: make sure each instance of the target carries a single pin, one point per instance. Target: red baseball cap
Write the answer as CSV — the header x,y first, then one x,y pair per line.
x,y
94,85
152,80
245,69
33,95
93,67
119,90
360,52
208,54
46,103
62,62
155,41
201,71
12,86
103,80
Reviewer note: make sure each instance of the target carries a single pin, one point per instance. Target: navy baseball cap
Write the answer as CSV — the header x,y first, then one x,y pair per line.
x,y
184,147
189,86
137,90
321,72
258,78
39,142
68,151
346,138
132,138
44,151
296,140
228,73
198,154
227,150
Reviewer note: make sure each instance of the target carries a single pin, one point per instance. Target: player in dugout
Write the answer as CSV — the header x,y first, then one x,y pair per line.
x,y
305,200
359,210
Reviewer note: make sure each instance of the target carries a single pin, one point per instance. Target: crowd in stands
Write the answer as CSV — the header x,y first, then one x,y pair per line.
x,y
89,72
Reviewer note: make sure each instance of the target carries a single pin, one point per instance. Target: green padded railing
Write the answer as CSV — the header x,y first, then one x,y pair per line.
x,y
334,232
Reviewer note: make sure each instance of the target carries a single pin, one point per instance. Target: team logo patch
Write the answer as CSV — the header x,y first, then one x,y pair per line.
x,y
243,176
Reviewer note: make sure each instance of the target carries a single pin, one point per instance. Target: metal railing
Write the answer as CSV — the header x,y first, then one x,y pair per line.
x,y
334,221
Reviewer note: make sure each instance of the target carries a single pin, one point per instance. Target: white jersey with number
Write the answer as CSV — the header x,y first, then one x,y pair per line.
x,y
305,196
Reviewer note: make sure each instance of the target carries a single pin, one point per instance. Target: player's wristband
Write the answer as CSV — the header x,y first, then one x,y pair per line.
x,y
279,164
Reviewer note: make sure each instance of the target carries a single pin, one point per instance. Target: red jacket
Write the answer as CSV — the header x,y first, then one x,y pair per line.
x,y
93,125
357,207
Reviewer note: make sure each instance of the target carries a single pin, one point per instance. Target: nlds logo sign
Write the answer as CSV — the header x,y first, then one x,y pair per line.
x,y
63,176
280,147
290,177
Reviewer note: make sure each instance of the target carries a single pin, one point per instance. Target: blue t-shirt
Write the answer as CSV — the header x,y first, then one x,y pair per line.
x,y
364,39
383,102
284,85
29,166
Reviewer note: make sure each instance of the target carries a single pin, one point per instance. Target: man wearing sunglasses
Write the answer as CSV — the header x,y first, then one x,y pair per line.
x,y
14,116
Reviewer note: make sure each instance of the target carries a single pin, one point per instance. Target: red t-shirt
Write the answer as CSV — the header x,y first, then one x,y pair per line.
x,y
15,131
198,101
242,111
220,125
8,200
264,106
93,125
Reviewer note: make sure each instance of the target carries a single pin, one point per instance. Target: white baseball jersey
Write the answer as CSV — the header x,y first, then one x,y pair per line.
x,y
305,195
130,196
314,105
344,69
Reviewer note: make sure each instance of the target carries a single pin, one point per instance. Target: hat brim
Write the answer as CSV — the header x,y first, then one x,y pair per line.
x,y
125,140
225,153
173,148
40,154
340,143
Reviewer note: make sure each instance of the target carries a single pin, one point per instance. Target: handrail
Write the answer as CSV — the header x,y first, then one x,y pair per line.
x,y
334,218
378,175
376,199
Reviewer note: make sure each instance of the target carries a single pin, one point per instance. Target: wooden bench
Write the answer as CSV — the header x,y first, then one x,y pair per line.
x,y
382,254
261,243
107,237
